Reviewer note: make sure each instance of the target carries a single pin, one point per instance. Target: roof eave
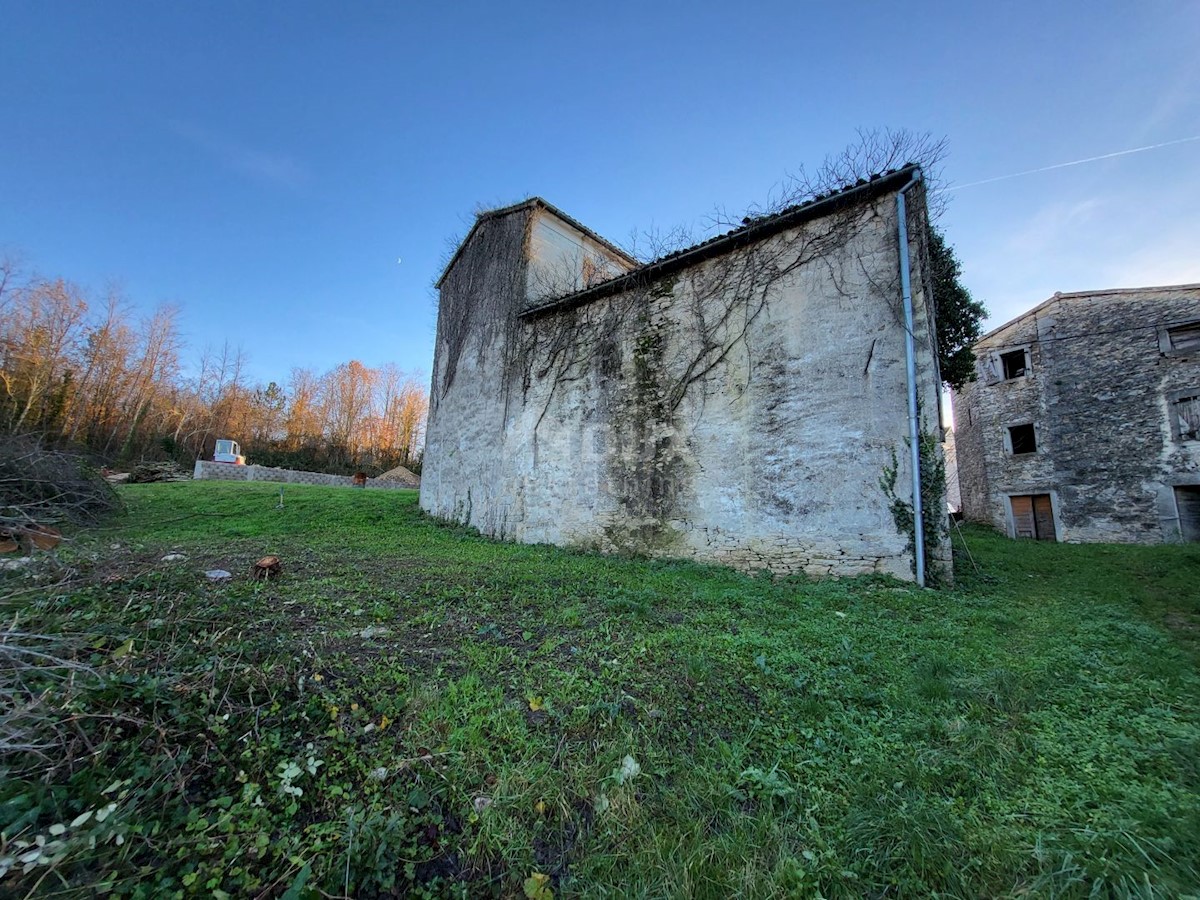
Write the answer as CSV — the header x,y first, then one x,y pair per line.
x,y
479,219
532,203
807,212
1075,295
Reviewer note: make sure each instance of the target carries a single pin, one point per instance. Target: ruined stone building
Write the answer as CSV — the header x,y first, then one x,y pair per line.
x,y
743,401
1084,421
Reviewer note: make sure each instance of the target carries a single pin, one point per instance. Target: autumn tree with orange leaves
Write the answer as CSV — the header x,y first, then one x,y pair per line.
x,y
92,374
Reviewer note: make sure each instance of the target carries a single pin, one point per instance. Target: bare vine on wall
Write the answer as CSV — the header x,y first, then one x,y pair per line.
x,y
934,522
716,303
654,342
876,150
477,298
725,296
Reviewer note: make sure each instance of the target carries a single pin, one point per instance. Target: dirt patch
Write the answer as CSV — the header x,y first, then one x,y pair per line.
x,y
1178,621
1185,627
400,475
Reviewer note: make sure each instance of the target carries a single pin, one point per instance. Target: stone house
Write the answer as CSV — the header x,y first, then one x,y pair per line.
x,y
1084,421
743,401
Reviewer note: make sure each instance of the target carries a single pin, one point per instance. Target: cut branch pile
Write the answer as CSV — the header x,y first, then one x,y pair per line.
x,y
42,485
27,537
159,471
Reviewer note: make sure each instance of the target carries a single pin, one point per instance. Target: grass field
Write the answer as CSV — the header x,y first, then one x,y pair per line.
x,y
414,710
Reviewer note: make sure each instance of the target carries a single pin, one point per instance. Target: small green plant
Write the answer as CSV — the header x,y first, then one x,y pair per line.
x,y
933,507
625,601
756,784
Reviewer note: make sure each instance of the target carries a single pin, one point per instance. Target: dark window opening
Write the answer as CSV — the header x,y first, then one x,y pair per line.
x,y
1186,414
1033,517
1185,337
1015,364
1022,439
1187,501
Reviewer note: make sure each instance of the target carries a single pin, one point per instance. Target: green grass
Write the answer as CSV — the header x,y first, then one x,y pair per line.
x,y
464,717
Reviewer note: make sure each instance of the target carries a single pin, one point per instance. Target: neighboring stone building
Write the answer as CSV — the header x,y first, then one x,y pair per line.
x,y
1084,422
737,402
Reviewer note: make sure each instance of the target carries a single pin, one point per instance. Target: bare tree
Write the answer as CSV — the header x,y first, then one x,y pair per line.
x,y
43,326
876,151
348,389
305,413
105,354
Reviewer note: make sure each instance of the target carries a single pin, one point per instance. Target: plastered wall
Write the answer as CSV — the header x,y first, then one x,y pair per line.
x,y
610,425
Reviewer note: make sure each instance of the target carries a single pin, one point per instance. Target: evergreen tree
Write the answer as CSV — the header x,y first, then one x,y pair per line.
x,y
959,315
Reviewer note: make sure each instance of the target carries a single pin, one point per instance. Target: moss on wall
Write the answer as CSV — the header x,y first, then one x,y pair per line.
x,y
647,468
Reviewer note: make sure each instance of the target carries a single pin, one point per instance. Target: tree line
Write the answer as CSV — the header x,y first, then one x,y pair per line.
x,y
88,372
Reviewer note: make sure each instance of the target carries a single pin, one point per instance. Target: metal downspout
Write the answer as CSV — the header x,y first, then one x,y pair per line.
x,y
910,354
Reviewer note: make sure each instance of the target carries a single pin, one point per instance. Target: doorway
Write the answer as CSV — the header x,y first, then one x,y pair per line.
x,y
1033,517
1187,501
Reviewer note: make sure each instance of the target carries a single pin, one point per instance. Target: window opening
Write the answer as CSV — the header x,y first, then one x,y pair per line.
x,y
1187,501
1186,412
1015,364
1022,439
1185,337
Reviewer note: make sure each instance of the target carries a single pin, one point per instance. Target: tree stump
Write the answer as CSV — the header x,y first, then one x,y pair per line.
x,y
28,538
43,537
266,568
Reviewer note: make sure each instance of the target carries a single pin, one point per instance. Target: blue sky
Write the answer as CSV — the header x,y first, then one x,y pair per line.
x,y
290,174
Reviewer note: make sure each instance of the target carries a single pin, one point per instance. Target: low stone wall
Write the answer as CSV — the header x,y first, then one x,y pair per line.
x,y
789,555
208,470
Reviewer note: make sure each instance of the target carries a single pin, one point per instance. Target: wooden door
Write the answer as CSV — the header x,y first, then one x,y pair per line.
x,y
1033,517
1187,500
1022,513
1043,517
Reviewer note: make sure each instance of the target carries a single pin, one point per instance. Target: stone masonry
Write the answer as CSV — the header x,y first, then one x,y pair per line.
x,y
1105,379
738,402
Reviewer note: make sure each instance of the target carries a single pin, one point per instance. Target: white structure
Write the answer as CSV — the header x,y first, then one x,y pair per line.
x,y
738,402
229,452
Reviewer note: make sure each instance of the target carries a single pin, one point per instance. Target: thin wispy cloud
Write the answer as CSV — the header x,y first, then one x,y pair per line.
x,y
1074,162
1052,226
256,164
1129,238
1175,104
1168,259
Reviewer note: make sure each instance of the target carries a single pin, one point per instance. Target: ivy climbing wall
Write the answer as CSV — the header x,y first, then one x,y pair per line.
x,y
739,405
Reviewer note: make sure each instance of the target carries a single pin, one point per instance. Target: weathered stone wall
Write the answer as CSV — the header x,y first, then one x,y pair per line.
x,y
741,411
1097,392
473,389
207,469
950,454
